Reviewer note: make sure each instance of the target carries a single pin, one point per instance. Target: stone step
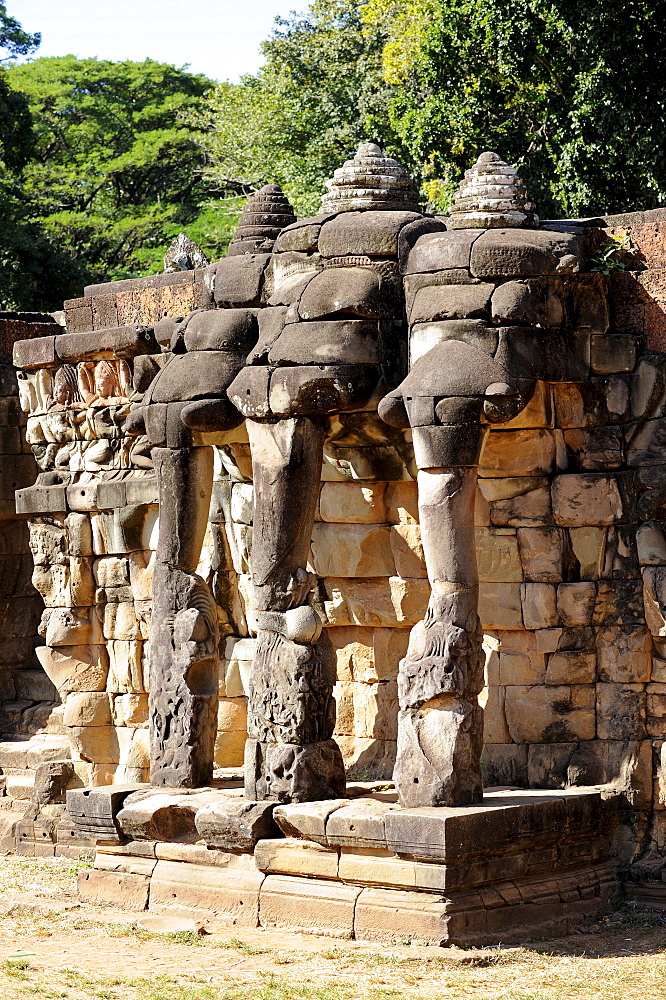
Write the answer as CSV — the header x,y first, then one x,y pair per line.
x,y
31,752
20,786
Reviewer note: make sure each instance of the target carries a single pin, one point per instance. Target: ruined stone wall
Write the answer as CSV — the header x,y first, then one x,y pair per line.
x,y
569,541
26,694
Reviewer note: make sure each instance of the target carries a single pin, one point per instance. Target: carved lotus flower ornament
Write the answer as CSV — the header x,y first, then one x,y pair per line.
x,y
492,196
265,214
370,180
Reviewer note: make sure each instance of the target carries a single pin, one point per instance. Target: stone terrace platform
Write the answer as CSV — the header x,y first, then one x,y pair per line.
x,y
522,865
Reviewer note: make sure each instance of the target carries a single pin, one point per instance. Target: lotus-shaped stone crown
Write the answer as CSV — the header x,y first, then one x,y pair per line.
x,y
265,214
492,196
370,180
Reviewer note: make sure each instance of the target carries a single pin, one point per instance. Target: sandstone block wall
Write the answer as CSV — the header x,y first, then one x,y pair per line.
x,y
571,550
26,694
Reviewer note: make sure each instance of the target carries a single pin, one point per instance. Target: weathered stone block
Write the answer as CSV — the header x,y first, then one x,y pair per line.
x,y
235,824
205,891
575,603
407,549
540,714
589,548
366,710
594,448
656,710
621,711
624,654
521,253
516,453
239,280
497,555
619,602
500,605
539,602
441,251
611,353
586,499
307,820
87,709
100,744
383,914
533,301
538,412
361,503
130,710
541,553
165,816
401,502
308,904
450,302
651,545
352,550
329,342
531,507
126,668
495,729
359,824
73,627
36,353
521,668
118,889
289,856
547,764
571,667
229,749
367,759
505,764
375,601
374,233
121,622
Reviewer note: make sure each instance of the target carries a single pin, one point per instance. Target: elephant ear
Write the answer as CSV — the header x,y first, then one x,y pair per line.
x,y
454,368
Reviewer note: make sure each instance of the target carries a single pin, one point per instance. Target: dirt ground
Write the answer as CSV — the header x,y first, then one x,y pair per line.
x,y
53,947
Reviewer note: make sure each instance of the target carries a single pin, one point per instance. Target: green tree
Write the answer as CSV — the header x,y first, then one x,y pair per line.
x,y
573,92
319,94
15,122
115,173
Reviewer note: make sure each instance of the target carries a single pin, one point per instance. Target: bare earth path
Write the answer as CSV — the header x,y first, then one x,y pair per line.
x,y
51,947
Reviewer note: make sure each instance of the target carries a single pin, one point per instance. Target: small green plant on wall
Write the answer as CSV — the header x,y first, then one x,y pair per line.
x,y
614,255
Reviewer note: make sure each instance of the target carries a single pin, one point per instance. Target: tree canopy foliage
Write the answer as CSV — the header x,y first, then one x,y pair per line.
x,y
103,163
573,92
15,123
115,173
318,95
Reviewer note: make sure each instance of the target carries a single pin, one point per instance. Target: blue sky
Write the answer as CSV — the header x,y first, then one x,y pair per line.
x,y
220,38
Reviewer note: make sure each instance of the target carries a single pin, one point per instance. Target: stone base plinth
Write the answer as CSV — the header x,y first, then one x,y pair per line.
x,y
519,866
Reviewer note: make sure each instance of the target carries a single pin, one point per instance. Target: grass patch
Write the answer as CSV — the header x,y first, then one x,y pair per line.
x,y
18,968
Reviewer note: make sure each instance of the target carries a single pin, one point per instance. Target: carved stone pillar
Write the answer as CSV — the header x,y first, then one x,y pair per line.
x,y
440,725
184,634
290,754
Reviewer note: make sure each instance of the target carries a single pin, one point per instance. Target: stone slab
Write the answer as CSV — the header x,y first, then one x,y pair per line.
x,y
114,888
163,814
203,891
314,905
504,821
290,856
235,824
